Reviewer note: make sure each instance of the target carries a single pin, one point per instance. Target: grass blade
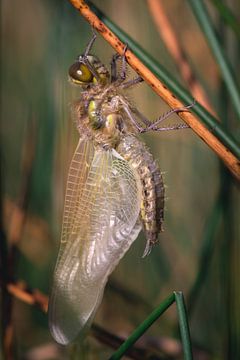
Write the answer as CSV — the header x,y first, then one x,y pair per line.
x,y
206,253
228,17
205,23
183,325
142,328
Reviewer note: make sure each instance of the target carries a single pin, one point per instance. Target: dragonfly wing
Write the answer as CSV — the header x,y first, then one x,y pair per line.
x,y
104,225
77,175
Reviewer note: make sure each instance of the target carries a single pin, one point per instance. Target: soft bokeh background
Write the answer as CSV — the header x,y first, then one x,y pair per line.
x,y
40,39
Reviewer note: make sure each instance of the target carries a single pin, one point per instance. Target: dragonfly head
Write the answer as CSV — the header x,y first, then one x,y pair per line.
x,y
88,70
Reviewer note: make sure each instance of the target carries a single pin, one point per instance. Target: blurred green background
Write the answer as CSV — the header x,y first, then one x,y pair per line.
x,y
39,40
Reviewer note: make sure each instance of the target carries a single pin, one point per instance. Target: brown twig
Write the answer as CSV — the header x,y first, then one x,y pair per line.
x,y
31,297
211,140
169,36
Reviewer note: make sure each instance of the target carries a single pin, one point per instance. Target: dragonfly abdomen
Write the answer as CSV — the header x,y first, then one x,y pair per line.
x,y
152,204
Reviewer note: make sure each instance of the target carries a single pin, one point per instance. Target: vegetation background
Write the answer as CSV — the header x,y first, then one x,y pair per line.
x,y
199,250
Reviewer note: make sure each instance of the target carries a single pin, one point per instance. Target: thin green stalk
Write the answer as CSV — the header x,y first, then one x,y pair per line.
x,y
209,120
206,253
205,23
183,325
228,17
142,328
228,274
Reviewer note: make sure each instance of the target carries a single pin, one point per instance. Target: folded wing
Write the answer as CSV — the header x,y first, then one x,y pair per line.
x,y
100,223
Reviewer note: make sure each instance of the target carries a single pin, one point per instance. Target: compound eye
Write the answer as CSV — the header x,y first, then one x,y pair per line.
x,y
80,74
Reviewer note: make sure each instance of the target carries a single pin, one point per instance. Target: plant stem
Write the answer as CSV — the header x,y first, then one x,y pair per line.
x,y
142,328
183,325
228,17
206,253
205,23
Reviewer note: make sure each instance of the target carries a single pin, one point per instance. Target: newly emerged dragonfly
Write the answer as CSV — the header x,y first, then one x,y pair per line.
x,y
114,190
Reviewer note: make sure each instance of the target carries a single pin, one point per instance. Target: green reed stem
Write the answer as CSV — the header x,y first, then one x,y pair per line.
x,y
183,325
205,23
228,17
206,253
142,328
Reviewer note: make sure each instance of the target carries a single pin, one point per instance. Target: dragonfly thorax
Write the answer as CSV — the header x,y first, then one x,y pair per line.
x,y
100,116
105,121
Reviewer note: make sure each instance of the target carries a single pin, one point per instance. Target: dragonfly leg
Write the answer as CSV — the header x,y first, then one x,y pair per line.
x,y
155,124
131,82
167,128
130,114
90,43
114,75
142,118
84,58
123,74
137,118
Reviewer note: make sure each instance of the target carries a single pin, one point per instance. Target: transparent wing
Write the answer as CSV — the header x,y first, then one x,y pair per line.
x,y
77,175
100,224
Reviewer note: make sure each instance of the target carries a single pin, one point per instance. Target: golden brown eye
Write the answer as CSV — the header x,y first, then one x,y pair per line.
x,y
80,74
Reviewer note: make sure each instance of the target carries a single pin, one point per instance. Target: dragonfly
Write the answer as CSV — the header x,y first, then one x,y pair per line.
x,y
114,190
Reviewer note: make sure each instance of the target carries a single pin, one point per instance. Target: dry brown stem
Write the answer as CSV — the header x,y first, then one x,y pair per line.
x,y
35,297
211,140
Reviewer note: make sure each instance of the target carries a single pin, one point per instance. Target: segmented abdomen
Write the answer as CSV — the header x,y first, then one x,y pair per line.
x,y
152,206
